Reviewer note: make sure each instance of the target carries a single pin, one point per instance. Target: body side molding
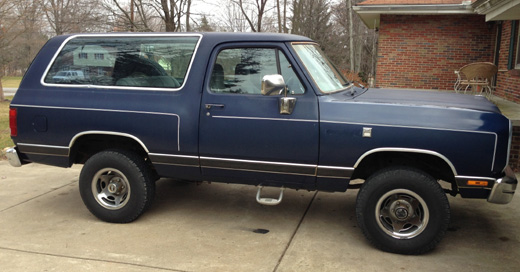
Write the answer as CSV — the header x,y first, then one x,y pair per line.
x,y
407,150
112,133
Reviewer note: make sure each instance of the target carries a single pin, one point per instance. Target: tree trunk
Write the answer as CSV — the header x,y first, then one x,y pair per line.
x,y
285,30
132,20
2,96
188,7
351,35
359,46
279,16
297,16
244,13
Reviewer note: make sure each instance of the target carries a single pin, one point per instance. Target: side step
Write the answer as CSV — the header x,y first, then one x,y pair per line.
x,y
266,200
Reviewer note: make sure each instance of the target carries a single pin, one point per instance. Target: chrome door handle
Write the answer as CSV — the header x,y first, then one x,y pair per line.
x,y
209,106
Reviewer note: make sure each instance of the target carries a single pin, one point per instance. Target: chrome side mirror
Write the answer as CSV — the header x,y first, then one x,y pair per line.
x,y
287,104
275,85
272,85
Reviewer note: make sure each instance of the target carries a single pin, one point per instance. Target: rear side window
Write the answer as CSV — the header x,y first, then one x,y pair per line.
x,y
150,62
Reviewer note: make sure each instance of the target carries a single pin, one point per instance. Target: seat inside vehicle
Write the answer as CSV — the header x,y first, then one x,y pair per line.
x,y
135,71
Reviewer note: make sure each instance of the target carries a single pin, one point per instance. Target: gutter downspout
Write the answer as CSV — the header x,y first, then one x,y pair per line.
x,y
510,62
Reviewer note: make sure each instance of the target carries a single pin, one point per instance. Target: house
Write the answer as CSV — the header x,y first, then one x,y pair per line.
x,y
422,42
93,56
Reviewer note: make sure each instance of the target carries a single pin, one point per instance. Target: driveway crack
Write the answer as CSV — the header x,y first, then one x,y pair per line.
x,y
35,197
90,259
294,233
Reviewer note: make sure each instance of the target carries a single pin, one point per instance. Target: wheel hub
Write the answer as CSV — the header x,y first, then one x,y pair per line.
x,y
402,213
115,186
401,210
111,188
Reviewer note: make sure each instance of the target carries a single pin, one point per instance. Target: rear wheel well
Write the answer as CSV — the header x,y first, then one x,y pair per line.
x,y
435,166
87,145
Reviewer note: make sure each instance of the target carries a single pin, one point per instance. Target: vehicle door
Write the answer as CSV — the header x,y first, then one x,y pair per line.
x,y
244,137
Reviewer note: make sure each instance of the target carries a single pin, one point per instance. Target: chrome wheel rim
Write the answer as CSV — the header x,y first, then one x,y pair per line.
x,y
402,214
110,188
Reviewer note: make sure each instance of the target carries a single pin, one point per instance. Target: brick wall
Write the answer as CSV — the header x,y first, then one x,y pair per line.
x,y
508,81
422,51
508,87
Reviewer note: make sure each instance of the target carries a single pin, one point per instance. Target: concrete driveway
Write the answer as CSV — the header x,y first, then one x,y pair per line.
x,y
44,226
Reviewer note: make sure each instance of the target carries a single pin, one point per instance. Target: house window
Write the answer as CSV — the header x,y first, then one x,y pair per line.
x,y
83,56
99,56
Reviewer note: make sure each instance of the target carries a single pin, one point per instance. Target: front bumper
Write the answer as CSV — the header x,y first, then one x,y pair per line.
x,y
504,188
13,158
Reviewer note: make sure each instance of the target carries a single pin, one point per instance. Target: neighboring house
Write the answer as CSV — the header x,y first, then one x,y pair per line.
x,y
93,56
422,42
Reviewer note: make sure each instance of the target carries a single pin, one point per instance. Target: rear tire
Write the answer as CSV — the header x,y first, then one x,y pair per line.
x,y
116,186
402,210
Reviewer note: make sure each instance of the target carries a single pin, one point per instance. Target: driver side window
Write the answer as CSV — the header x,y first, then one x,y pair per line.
x,y
240,71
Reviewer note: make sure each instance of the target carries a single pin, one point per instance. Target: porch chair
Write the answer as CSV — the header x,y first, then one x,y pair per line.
x,y
477,75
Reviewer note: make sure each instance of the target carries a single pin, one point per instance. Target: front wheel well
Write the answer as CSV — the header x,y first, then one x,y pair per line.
x,y
433,165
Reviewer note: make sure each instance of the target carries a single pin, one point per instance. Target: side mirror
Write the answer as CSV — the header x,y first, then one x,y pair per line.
x,y
287,105
272,85
275,85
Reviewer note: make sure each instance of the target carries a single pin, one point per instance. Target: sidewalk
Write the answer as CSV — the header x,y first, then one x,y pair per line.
x,y
44,226
9,91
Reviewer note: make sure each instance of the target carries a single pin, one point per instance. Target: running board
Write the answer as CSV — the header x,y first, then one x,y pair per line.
x,y
268,201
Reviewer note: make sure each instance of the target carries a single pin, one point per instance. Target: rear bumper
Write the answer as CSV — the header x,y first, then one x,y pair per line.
x,y
13,158
504,188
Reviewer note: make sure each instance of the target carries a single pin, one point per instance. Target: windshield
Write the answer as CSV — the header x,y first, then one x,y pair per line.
x,y
322,71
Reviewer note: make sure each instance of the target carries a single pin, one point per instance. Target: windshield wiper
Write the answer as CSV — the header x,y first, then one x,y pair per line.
x,y
349,85
353,92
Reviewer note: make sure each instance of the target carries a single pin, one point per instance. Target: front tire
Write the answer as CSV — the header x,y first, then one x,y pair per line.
x,y
116,186
402,210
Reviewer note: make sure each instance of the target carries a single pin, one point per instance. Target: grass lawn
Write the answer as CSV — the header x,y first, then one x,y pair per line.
x,y
5,133
11,82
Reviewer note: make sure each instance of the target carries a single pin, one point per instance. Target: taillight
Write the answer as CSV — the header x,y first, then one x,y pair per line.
x,y
12,122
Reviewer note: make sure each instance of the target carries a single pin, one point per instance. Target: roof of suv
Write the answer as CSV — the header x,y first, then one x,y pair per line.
x,y
264,36
212,36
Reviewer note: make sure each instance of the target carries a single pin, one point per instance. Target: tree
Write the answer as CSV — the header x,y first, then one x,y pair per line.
x,y
351,36
136,16
311,18
9,31
357,41
170,12
31,37
282,16
233,18
74,16
258,10
204,25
